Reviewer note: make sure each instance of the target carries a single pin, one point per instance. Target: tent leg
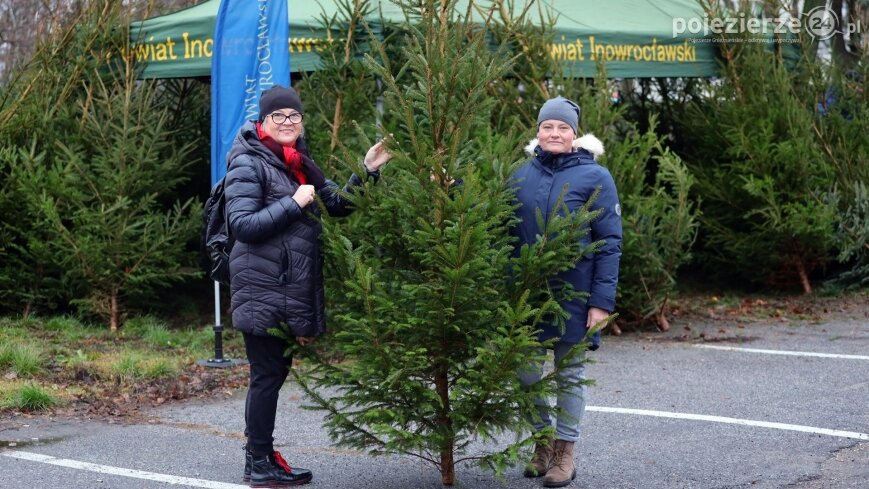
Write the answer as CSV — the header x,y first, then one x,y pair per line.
x,y
219,361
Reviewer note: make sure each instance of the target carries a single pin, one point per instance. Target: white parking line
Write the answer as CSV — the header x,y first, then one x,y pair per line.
x,y
786,352
106,469
745,422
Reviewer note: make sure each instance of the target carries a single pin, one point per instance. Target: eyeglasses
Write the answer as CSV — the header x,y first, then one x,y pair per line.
x,y
278,118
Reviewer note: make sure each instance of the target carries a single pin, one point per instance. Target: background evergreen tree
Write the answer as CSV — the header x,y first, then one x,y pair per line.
x,y
437,312
761,170
342,91
841,125
39,108
92,174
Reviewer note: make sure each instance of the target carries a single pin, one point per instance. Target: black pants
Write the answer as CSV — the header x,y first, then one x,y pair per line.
x,y
268,371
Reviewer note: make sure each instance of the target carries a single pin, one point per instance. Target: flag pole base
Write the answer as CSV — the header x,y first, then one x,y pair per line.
x,y
221,362
218,361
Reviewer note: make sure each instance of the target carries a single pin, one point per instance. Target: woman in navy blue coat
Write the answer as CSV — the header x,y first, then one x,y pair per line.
x,y
559,160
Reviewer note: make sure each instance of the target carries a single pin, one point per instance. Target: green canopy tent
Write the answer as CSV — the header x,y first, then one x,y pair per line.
x,y
179,45
632,38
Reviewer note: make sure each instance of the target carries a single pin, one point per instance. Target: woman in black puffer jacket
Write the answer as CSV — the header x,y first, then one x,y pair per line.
x,y
275,266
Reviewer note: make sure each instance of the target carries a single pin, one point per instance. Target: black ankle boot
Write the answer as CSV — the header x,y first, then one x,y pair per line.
x,y
273,471
247,457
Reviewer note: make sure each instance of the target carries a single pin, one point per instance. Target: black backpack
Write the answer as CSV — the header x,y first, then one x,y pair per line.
x,y
217,241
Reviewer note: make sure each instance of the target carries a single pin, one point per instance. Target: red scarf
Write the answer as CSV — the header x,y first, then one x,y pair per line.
x,y
287,154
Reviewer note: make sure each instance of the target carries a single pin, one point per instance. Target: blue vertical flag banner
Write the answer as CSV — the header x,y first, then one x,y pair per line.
x,y
251,53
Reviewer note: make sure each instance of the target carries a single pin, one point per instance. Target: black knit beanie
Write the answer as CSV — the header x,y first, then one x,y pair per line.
x,y
277,98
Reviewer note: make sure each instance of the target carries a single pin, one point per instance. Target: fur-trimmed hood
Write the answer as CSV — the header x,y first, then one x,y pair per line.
x,y
588,142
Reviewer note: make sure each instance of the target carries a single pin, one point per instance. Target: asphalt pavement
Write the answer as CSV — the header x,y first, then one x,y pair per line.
x,y
666,412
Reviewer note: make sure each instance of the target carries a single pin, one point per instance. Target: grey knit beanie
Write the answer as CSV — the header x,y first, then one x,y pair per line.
x,y
560,109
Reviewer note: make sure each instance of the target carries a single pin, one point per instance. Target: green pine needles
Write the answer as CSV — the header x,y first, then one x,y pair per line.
x,y
91,170
761,171
436,310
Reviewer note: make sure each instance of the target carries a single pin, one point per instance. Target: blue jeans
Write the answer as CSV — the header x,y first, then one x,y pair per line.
x,y
571,395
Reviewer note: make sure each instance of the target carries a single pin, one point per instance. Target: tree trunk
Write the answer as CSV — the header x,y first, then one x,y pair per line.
x,y
448,470
336,123
114,314
841,55
808,6
661,317
339,104
804,277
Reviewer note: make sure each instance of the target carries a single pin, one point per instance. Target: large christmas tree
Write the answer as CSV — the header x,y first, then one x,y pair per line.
x,y
437,308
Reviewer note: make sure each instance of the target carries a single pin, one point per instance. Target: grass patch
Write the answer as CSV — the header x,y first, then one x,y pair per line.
x,y
65,324
77,360
27,397
201,341
63,329
159,336
20,322
161,367
12,333
119,367
153,332
23,359
132,366
73,336
138,325
197,343
82,362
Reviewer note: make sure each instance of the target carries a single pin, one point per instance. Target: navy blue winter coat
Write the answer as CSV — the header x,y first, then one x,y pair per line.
x,y
538,184
275,267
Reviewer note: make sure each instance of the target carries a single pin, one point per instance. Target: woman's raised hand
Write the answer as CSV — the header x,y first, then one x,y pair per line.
x,y
376,157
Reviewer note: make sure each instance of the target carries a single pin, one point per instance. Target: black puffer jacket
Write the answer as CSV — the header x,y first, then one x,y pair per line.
x,y
276,273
